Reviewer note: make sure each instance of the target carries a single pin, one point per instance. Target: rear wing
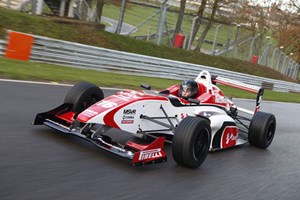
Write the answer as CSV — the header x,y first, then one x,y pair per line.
x,y
243,86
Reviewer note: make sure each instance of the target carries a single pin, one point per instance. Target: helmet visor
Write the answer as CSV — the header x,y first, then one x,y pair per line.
x,y
186,91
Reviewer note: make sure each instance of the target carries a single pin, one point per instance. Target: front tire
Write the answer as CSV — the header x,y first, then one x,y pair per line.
x,y
191,141
82,95
262,130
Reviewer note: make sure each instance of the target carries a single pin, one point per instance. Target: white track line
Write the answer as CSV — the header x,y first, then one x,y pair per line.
x,y
245,110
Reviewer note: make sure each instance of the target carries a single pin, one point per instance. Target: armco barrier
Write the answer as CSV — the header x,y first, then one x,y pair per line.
x,y
60,52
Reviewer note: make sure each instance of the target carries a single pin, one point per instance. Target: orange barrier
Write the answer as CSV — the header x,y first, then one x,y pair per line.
x,y
19,46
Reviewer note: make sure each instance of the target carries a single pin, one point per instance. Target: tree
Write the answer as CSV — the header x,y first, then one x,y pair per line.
x,y
100,5
208,25
99,9
199,19
295,5
286,27
180,17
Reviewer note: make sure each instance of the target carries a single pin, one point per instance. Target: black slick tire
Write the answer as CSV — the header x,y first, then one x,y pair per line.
x,y
191,141
82,95
262,130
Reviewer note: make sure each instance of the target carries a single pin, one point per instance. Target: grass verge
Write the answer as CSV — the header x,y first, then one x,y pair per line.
x,y
13,69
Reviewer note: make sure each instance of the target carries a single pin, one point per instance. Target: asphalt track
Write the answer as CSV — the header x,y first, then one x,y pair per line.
x,y
39,163
125,28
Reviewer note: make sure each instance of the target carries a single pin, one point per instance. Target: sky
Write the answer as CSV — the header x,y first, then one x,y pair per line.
x,y
269,2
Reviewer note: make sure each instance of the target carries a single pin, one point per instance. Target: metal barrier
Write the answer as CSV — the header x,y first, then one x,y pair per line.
x,y
60,52
11,4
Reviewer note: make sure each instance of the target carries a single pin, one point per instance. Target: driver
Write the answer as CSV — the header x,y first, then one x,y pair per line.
x,y
188,89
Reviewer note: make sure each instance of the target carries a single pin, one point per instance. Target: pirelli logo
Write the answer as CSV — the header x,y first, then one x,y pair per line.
x,y
148,154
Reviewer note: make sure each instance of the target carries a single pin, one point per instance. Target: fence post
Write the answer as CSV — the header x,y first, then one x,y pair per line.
x,y
215,39
228,41
62,8
162,20
39,7
237,33
33,7
192,30
168,35
71,9
149,33
278,61
289,69
295,70
273,57
283,65
251,46
250,50
236,39
292,72
264,57
293,66
121,17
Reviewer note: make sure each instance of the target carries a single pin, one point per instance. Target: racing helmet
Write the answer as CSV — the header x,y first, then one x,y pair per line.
x,y
188,89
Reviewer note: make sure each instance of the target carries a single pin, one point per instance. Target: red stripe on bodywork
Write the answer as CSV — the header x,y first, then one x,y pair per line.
x,y
109,117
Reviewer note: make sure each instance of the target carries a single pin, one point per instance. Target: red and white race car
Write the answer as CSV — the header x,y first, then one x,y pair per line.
x,y
194,126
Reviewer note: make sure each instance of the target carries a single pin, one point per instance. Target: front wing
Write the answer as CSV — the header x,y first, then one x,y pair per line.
x,y
139,154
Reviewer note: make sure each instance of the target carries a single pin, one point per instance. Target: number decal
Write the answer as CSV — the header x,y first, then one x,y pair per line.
x,y
107,104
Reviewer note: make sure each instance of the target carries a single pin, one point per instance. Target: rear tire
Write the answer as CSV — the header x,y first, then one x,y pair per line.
x,y
262,130
191,141
83,95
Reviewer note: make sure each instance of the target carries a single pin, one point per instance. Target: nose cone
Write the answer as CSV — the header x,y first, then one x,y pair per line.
x,y
86,115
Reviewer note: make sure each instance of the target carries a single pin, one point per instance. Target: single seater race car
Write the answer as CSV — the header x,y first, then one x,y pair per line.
x,y
194,126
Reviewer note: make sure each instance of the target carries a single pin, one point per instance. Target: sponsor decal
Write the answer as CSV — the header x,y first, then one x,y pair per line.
x,y
182,115
127,117
122,97
107,104
127,121
220,99
259,99
128,95
148,154
129,111
230,135
90,113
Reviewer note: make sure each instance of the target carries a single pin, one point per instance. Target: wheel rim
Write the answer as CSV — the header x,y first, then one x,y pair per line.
x,y
200,144
270,133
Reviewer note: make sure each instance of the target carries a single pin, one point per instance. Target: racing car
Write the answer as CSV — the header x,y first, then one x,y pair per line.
x,y
193,126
